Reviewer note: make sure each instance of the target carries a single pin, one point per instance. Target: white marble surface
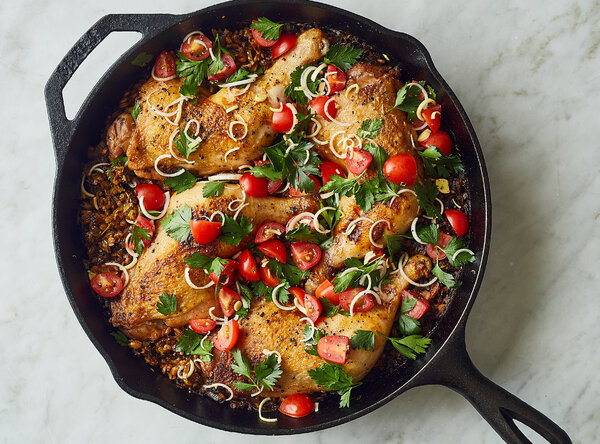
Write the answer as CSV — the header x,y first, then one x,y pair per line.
x,y
528,74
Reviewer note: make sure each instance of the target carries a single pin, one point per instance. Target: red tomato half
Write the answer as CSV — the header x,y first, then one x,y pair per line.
x,y
284,43
459,221
329,169
154,198
227,276
227,300
297,193
365,303
298,294
196,47
318,105
254,186
313,307
401,169
304,220
305,254
283,121
440,139
442,242
358,161
274,185
336,79
204,231
433,117
107,284
275,249
325,290
164,66
202,326
227,335
297,405
269,230
421,305
146,224
228,69
334,348
268,277
257,35
248,268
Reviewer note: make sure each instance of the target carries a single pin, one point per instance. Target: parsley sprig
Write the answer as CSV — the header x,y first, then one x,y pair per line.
x,y
333,377
438,165
177,223
167,303
214,265
294,90
347,279
233,232
408,325
138,236
191,343
266,373
268,30
365,192
342,56
194,72
409,346
182,182
407,99
364,339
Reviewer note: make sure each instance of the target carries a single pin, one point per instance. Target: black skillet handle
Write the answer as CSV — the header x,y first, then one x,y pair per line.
x,y
454,369
61,127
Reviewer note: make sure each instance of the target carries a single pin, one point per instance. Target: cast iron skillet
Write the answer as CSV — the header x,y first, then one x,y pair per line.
x,y
446,362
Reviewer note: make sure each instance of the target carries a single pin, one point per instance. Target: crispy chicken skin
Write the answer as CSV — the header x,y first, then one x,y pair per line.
x,y
160,267
149,137
269,328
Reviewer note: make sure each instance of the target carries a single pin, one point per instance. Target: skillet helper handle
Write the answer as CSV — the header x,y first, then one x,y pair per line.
x,y
60,126
497,406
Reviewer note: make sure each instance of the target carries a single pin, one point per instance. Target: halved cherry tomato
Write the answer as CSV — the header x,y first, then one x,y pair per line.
x,y
442,242
401,169
226,71
297,193
305,254
196,47
202,326
365,303
254,186
304,220
268,230
440,139
334,348
297,405
248,268
284,43
318,105
283,120
227,275
227,299
298,294
146,224
273,186
227,335
154,198
267,276
275,249
459,221
313,307
260,40
358,160
107,284
336,79
433,117
329,169
164,66
421,305
205,231
325,290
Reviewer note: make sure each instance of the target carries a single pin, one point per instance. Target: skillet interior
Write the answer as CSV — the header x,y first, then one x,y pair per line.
x,y
131,372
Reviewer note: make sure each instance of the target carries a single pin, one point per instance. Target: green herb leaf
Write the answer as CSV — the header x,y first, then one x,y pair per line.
x,y
119,161
409,346
464,257
407,99
265,171
212,189
182,182
266,372
294,90
431,92
135,111
395,243
303,233
183,145
239,74
167,304
120,337
311,344
217,63
268,30
426,195
142,59
445,278
364,339
379,155
429,234
346,279
233,232
138,236
342,56
193,71
370,129
190,343
406,324
177,224
303,122
214,265
438,165
329,310
333,377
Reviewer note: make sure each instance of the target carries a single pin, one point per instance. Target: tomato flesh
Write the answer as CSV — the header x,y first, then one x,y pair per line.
x,y
227,335
365,303
401,169
334,348
205,231
107,284
275,249
283,121
154,198
318,105
227,300
329,169
336,79
284,43
297,405
459,221
433,117
257,35
273,186
268,277
441,140
297,193
196,47
325,290
305,254
298,294
254,186
268,230
421,305
304,220
228,69
313,307
145,224
248,268
443,240
358,160
202,326
227,276
164,66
